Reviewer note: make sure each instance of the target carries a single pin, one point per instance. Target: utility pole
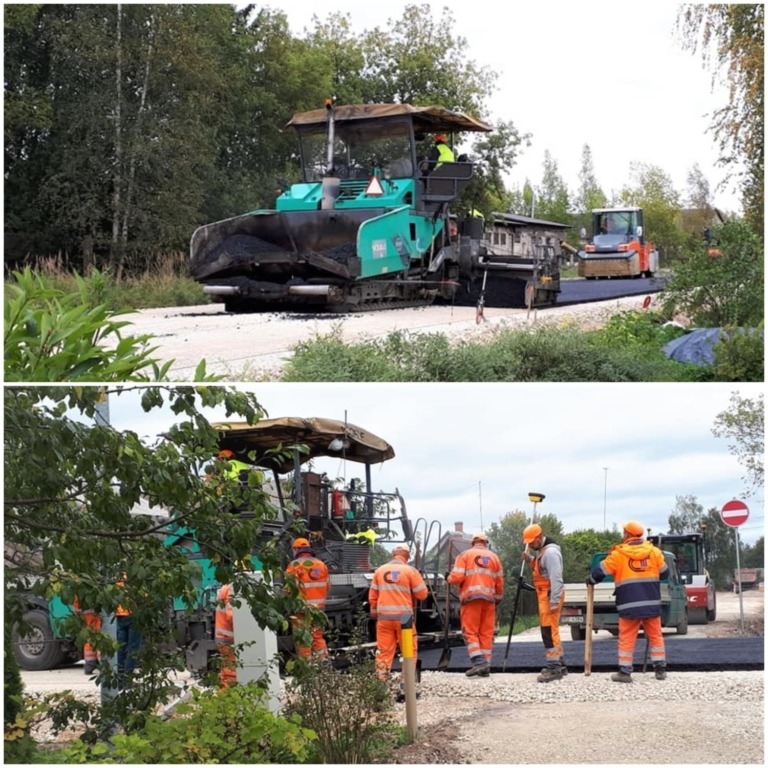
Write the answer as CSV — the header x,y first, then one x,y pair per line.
x,y
480,495
605,497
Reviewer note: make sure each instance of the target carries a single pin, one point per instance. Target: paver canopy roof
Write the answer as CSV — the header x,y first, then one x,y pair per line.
x,y
316,433
429,119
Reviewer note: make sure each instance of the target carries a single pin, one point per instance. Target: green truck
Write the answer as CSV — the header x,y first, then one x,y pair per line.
x,y
674,608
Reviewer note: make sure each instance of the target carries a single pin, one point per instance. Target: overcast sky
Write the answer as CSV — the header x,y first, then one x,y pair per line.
x,y
473,452
607,74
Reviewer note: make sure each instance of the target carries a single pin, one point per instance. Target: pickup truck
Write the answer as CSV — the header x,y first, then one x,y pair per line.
x,y
674,610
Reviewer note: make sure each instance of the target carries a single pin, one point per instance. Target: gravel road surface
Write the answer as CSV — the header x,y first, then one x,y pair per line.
x,y
254,347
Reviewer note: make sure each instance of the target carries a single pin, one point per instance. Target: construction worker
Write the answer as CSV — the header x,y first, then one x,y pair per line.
x,y
233,468
440,153
479,575
129,640
311,575
92,621
637,566
395,588
224,636
547,567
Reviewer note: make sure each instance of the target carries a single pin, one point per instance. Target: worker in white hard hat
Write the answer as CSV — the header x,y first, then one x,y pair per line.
x,y
394,590
479,575
547,566
637,566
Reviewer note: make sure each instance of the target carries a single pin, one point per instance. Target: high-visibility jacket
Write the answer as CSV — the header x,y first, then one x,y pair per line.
x,y
394,589
636,567
479,575
224,630
443,154
547,567
311,573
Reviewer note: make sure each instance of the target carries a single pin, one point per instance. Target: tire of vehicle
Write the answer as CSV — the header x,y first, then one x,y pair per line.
x,y
578,633
39,649
682,627
712,615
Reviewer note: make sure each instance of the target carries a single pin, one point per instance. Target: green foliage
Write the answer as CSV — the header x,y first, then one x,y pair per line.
x,y
70,488
232,725
726,290
643,332
348,710
54,336
743,425
578,548
19,746
740,355
545,353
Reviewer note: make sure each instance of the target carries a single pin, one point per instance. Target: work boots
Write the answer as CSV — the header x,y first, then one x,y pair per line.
x,y
660,671
90,667
621,677
550,673
479,668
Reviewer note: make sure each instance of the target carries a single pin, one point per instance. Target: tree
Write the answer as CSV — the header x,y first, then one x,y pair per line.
x,y
589,194
552,201
731,41
687,516
653,190
743,425
71,486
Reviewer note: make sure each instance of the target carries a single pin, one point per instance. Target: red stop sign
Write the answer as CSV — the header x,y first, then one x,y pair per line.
x,y
734,513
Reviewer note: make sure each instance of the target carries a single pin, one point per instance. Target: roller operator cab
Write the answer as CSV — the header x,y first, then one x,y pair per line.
x,y
368,226
618,247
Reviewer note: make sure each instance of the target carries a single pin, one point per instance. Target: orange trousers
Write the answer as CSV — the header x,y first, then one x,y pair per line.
x,y
628,629
318,647
92,621
549,621
478,624
228,665
388,639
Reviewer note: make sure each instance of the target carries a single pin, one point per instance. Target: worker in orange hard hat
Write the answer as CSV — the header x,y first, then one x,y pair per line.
x,y
547,566
637,567
233,469
395,588
311,576
479,575
440,153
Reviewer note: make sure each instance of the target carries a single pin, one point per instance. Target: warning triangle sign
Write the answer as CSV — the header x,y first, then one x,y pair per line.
x,y
374,188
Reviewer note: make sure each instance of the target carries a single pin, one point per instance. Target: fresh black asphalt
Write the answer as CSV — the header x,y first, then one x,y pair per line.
x,y
683,654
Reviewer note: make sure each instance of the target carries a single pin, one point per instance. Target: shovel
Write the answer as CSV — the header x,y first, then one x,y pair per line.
x,y
588,635
445,656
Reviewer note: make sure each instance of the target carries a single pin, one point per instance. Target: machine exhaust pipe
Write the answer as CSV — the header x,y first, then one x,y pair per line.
x,y
221,290
309,290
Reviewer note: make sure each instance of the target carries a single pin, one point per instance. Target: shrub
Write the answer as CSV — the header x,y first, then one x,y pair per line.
x,y
19,746
227,726
740,355
350,711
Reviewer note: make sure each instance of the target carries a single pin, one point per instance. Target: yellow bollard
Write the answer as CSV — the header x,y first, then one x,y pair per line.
x,y
409,678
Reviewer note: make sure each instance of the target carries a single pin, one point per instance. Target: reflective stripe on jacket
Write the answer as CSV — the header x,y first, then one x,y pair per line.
x,y
394,589
311,573
444,154
636,567
224,632
479,575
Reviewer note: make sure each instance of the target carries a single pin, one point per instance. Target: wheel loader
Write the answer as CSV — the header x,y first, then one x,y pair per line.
x,y
369,225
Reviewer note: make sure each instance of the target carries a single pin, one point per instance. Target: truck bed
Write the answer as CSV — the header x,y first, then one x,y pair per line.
x,y
576,594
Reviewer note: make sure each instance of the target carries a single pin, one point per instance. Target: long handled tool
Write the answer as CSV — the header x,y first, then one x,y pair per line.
x,y
588,635
521,585
445,656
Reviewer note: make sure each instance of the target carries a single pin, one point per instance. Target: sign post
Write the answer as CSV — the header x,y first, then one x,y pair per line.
x,y
735,513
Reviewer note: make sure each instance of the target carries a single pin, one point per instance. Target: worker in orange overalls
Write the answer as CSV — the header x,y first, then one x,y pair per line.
x,y
224,636
480,577
92,621
395,588
311,575
547,566
637,567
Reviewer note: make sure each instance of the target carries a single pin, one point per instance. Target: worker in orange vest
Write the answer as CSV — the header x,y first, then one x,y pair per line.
x,y
479,575
92,621
637,566
394,590
224,636
311,575
547,567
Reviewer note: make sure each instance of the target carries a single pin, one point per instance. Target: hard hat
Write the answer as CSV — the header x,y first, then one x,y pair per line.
x,y
440,137
402,548
531,532
226,454
634,528
480,536
301,544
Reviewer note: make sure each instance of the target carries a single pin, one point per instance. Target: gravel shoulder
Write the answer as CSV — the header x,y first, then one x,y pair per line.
x,y
255,347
